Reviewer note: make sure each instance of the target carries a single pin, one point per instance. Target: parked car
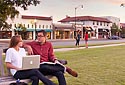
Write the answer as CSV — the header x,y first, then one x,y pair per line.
x,y
122,36
114,37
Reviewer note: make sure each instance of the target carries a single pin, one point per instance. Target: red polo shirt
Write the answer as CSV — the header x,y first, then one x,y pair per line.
x,y
44,50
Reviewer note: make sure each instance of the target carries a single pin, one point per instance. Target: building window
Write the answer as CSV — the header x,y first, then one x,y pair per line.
x,y
46,26
15,25
28,25
83,23
104,23
93,23
32,25
39,26
43,26
50,26
101,23
97,23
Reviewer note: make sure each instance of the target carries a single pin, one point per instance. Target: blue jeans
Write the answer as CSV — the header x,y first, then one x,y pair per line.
x,y
34,75
54,70
77,42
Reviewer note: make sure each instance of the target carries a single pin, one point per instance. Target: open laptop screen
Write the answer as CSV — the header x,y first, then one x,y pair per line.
x,y
30,62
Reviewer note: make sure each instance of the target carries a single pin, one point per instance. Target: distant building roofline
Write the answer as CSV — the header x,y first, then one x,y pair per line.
x,y
36,17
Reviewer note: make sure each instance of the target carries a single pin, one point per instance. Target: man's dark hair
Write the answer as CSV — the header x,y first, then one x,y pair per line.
x,y
43,31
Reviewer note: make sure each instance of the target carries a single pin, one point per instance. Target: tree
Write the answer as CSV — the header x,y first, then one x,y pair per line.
x,y
8,9
122,32
21,29
115,29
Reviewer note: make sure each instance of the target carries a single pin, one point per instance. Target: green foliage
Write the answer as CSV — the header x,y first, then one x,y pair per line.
x,y
8,9
123,31
21,27
114,29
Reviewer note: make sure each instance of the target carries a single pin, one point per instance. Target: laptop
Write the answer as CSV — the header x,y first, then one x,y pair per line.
x,y
30,62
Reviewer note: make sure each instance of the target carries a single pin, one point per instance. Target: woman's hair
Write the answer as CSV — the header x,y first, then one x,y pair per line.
x,y
15,40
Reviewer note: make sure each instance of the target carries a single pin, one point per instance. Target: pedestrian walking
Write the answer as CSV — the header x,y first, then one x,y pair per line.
x,y
78,38
86,39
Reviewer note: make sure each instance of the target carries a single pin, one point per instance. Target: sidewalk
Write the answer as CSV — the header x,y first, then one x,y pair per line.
x,y
76,48
51,40
66,49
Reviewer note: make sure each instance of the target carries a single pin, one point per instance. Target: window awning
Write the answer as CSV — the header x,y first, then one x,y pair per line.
x,y
103,30
88,28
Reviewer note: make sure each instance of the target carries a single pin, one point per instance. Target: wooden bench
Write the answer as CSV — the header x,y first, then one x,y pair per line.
x,y
6,78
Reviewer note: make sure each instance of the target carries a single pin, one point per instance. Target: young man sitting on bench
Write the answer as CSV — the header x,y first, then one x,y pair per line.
x,y
45,49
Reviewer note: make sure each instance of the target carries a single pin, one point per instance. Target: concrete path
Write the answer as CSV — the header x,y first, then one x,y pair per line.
x,y
68,49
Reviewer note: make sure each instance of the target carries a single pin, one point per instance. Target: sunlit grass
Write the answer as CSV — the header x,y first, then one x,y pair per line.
x,y
96,66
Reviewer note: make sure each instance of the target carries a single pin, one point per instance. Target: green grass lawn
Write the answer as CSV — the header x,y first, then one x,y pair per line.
x,y
95,66
83,45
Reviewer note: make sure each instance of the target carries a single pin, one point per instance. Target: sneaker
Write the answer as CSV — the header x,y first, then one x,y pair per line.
x,y
71,72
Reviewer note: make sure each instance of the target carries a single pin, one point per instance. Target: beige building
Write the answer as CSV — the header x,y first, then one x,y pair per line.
x,y
97,27
32,25
63,31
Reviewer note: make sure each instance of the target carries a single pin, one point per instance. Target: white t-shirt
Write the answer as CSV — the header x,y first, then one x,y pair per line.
x,y
15,58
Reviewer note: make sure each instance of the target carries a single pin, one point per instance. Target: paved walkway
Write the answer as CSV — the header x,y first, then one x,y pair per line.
x,y
68,49
65,49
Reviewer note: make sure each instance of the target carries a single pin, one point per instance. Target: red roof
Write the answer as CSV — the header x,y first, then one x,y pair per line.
x,y
85,18
36,17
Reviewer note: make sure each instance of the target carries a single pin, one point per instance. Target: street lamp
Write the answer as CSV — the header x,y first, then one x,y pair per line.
x,y
35,27
122,5
75,16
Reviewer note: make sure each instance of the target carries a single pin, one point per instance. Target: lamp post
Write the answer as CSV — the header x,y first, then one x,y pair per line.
x,y
35,21
75,16
122,5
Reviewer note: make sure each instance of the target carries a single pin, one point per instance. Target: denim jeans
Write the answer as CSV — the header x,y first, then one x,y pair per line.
x,y
77,42
34,75
54,70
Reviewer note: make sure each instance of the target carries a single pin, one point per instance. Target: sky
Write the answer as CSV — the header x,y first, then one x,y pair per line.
x,y
58,9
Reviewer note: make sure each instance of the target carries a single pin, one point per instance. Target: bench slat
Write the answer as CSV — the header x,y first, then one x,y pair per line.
x,y
6,80
1,64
